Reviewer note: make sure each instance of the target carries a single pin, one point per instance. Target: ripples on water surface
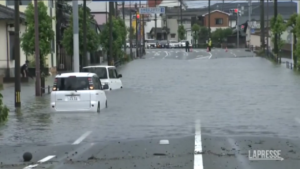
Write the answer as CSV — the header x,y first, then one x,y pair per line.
x,y
248,96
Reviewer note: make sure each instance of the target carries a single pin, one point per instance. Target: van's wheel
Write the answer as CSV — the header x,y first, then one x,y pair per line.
x,y
121,87
106,104
110,89
98,107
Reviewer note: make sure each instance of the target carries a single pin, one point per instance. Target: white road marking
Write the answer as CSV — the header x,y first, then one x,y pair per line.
x,y
206,57
46,159
41,161
233,54
31,166
167,54
210,55
164,142
176,56
198,159
156,54
81,138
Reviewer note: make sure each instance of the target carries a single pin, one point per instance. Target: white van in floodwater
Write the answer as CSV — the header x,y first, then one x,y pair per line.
x,y
107,74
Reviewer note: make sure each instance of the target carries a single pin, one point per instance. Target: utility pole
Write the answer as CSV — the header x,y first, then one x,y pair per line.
x,y
209,18
144,43
140,32
109,57
268,28
123,14
262,24
37,51
130,28
76,66
17,56
237,27
180,12
276,35
155,20
84,57
249,22
116,9
136,31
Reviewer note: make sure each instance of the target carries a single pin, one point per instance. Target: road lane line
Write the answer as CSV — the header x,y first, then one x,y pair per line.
x,y
233,54
166,54
198,159
81,138
46,159
31,166
210,55
40,161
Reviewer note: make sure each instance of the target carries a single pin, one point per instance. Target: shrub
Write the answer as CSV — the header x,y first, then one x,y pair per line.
x,y
3,110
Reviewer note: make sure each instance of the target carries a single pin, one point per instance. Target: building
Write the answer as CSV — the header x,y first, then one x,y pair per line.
x,y
7,61
5,6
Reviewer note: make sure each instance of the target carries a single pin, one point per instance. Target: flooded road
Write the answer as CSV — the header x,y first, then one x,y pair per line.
x,y
235,98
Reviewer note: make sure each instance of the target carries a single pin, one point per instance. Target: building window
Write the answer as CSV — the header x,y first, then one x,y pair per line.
x,y
173,35
219,21
22,2
11,45
148,36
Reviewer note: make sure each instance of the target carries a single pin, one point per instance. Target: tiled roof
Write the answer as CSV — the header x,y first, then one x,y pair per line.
x,y
7,13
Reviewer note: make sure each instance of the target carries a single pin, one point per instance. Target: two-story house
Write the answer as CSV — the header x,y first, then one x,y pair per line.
x,y
7,33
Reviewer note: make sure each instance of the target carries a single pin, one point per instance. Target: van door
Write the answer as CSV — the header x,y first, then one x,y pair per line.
x,y
72,93
115,82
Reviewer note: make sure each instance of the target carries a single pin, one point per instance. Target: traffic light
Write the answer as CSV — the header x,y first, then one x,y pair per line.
x,y
236,10
137,16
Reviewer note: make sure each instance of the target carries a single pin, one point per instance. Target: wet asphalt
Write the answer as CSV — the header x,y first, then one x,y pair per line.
x,y
212,107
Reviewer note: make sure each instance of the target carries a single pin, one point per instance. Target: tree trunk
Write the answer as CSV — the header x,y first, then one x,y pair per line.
x,y
42,71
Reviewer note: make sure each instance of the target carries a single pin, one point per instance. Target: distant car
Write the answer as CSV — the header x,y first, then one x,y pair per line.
x,y
173,44
78,92
107,74
151,43
163,44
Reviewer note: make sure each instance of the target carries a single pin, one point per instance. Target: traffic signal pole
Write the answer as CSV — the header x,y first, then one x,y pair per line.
x,y
237,28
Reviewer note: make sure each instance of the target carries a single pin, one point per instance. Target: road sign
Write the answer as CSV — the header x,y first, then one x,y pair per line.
x,y
252,31
157,10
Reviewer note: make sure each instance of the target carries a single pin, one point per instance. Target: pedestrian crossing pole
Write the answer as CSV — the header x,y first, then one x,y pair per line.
x,y
17,56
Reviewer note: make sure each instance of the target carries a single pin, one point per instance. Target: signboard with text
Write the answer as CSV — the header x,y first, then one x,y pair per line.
x,y
155,10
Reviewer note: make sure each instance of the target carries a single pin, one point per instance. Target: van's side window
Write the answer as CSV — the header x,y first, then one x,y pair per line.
x,y
112,73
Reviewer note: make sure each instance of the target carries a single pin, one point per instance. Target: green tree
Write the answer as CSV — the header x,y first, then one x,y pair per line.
x,y
92,37
291,23
3,110
203,34
119,33
277,27
46,34
297,27
181,32
131,33
220,35
195,33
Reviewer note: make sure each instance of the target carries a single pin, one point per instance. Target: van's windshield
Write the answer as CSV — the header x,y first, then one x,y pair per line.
x,y
100,71
72,83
